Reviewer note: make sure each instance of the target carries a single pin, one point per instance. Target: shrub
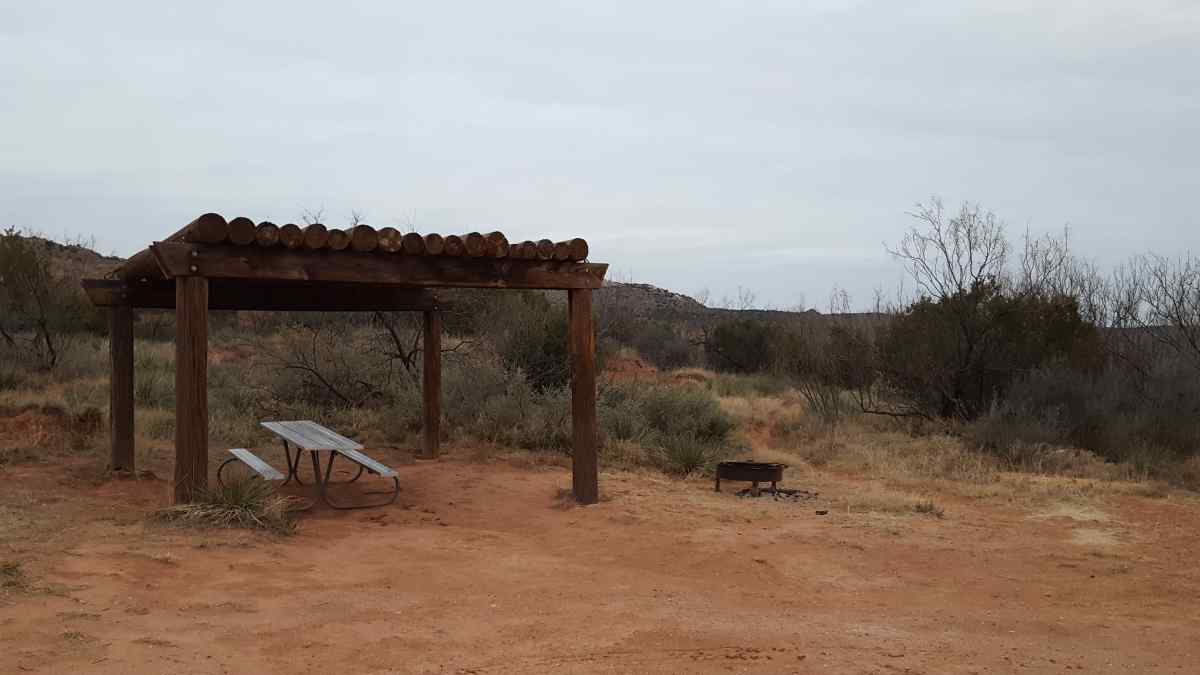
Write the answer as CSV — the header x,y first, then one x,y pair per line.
x,y
663,346
12,576
1105,412
739,345
248,503
11,379
953,356
153,375
42,307
683,455
683,427
760,384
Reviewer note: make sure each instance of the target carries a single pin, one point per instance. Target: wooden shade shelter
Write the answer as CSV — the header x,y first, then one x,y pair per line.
x,y
236,265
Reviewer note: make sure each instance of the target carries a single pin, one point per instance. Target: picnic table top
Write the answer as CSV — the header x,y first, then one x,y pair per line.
x,y
309,435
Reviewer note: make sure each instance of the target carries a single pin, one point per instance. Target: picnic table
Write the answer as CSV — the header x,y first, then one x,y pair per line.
x,y
306,435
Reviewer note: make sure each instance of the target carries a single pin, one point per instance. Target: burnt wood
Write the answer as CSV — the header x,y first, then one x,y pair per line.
x,y
225,262
231,294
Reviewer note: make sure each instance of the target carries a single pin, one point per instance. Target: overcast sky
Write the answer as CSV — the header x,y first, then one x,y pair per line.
x,y
769,145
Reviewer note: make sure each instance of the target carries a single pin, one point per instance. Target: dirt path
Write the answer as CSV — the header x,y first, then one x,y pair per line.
x,y
480,568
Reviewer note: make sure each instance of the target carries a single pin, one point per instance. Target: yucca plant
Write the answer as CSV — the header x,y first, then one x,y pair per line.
x,y
247,503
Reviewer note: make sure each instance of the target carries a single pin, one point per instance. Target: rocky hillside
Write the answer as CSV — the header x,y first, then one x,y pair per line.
x,y
75,259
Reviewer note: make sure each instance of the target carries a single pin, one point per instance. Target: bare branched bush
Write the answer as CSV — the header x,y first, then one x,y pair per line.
x,y
41,306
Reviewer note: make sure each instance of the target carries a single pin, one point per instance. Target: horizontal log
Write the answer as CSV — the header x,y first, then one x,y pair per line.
x,y
579,249
545,249
232,294
291,236
143,265
496,244
229,262
339,240
434,244
364,238
209,228
316,237
242,231
474,244
455,246
390,240
562,251
267,234
414,244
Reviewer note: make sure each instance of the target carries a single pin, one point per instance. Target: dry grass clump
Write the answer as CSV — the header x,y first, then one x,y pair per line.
x,y
248,503
879,499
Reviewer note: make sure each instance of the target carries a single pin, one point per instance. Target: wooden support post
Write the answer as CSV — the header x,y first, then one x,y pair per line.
x,y
191,388
432,384
120,398
584,478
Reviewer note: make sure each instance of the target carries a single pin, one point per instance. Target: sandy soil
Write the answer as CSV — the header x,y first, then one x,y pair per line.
x,y
481,567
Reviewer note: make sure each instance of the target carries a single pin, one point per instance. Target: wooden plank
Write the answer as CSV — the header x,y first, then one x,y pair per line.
x,y
236,294
256,464
120,400
191,388
431,385
584,461
373,465
225,262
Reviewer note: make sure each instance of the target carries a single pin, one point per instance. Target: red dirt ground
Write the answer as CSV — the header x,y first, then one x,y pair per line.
x,y
483,568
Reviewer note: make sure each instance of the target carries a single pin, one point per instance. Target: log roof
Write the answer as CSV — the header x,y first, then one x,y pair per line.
x,y
241,253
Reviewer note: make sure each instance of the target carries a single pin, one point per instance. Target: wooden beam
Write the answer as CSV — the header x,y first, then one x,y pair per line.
x,y
432,385
234,262
191,388
120,399
234,294
584,461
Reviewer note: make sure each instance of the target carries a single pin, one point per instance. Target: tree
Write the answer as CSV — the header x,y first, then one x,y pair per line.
x,y
739,345
975,329
40,304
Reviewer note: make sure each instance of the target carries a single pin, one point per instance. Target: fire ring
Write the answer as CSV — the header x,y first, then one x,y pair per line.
x,y
751,472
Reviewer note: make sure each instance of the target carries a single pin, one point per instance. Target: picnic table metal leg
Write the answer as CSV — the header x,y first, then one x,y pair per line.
x,y
293,466
323,485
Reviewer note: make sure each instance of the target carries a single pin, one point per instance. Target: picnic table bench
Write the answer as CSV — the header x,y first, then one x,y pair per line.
x,y
309,436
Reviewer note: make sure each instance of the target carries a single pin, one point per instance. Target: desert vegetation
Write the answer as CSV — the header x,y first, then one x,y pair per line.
x,y
1010,357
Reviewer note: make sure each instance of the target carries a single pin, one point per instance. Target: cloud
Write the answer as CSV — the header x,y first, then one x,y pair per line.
x,y
769,145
